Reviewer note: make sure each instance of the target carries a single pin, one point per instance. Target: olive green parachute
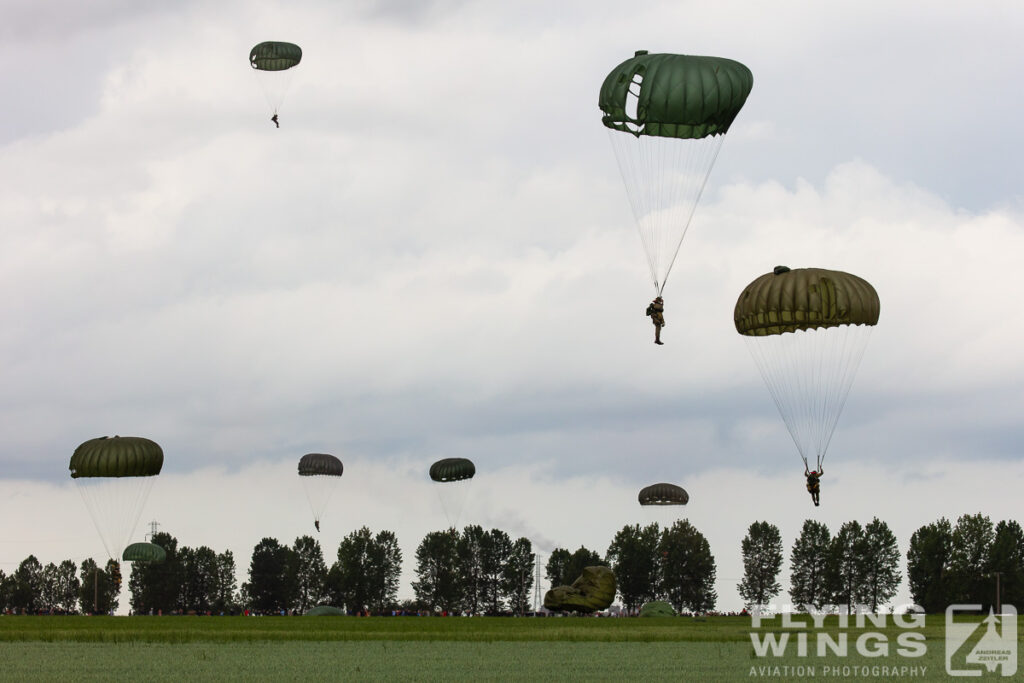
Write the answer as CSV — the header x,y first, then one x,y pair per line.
x,y
666,116
674,96
453,477
320,474
803,299
114,476
807,329
452,469
313,464
273,63
144,552
274,56
118,456
663,494
594,590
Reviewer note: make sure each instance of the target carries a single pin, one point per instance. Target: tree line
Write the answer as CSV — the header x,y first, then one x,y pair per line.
x,y
859,566
476,571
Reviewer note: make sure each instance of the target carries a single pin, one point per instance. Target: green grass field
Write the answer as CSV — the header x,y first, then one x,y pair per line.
x,y
411,648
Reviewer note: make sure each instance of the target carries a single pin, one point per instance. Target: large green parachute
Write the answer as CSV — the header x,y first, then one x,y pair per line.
x,y
319,473
144,552
667,115
807,330
452,469
314,464
114,476
663,494
275,56
272,62
453,477
118,456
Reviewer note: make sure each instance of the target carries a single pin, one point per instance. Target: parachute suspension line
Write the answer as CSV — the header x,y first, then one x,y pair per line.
x,y
809,375
707,165
665,179
115,505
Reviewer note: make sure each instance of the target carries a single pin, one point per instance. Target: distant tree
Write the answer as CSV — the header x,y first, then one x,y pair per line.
x,y
687,568
879,564
1006,556
157,587
762,561
495,549
367,571
96,595
471,573
555,569
61,587
268,587
969,559
808,566
385,571
437,571
28,585
199,579
845,566
928,558
6,588
517,575
310,572
633,556
113,575
224,599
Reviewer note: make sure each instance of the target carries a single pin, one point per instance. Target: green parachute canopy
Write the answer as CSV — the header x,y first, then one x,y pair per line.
x,y
313,464
114,476
144,552
117,456
675,96
807,330
667,116
663,494
803,299
274,56
452,469
320,473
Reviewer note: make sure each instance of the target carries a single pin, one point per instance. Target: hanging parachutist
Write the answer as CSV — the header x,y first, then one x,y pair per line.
x,y
656,310
274,119
813,483
316,523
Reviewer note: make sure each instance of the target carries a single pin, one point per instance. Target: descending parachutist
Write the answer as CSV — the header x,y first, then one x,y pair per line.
x,y
656,310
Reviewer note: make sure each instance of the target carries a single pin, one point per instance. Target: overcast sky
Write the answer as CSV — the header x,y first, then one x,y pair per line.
x,y
434,256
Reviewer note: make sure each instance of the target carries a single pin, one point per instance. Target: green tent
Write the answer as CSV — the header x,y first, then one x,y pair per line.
x,y
657,608
325,611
